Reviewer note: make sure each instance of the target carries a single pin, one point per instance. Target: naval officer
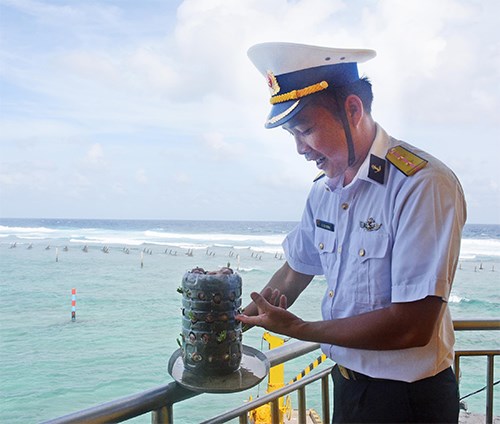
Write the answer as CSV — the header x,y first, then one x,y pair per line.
x,y
383,224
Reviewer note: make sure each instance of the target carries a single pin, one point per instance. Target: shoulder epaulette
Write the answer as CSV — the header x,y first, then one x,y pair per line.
x,y
319,176
404,160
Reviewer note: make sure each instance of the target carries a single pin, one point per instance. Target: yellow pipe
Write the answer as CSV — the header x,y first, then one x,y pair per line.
x,y
276,378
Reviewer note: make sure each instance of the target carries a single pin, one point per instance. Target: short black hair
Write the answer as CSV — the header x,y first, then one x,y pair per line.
x,y
361,88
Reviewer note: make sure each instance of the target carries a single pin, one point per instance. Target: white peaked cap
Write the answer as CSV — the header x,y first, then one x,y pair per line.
x,y
282,58
294,71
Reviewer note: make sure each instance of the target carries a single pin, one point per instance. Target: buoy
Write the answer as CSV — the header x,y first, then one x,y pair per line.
x,y
73,304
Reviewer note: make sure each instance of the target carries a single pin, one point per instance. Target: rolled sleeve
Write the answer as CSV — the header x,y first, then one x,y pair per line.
x,y
301,258
427,242
300,252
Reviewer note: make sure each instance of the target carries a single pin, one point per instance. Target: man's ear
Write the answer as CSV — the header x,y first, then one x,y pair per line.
x,y
354,109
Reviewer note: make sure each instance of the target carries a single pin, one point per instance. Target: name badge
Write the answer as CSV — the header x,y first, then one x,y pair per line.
x,y
325,225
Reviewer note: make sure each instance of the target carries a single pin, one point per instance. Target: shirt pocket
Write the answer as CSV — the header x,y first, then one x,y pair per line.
x,y
369,253
326,245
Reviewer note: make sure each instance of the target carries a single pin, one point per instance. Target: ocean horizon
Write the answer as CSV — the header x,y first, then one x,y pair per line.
x,y
126,273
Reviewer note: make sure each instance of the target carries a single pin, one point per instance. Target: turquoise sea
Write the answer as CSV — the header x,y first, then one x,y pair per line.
x,y
128,310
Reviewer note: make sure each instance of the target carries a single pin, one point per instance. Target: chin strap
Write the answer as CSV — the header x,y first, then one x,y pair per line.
x,y
350,145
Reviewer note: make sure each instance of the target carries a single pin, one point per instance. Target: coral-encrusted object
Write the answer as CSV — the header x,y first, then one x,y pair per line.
x,y
211,337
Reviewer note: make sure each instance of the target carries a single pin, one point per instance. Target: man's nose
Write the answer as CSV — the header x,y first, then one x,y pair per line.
x,y
302,148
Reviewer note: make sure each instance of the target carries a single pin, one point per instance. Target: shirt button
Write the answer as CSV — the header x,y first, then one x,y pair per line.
x,y
330,293
339,250
362,252
321,246
345,206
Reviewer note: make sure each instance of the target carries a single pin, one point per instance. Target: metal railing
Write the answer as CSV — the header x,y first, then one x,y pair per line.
x,y
160,401
489,354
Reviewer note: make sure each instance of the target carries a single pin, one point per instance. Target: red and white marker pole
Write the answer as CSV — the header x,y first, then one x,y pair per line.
x,y
73,304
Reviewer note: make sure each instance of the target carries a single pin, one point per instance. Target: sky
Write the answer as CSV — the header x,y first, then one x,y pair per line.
x,y
151,109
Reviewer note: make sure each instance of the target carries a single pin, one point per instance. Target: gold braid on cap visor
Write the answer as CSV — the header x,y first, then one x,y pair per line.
x,y
297,94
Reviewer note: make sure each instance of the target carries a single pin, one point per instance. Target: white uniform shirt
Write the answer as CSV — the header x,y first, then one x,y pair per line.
x,y
389,238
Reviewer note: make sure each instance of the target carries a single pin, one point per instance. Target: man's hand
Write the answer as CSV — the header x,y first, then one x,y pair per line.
x,y
274,297
273,318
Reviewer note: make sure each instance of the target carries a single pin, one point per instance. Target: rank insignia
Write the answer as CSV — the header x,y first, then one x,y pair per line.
x,y
370,225
325,225
272,82
377,169
319,176
407,162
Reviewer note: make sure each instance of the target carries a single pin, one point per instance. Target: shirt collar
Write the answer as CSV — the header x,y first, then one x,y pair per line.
x,y
378,149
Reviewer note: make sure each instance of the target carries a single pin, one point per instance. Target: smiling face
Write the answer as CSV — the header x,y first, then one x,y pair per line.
x,y
320,137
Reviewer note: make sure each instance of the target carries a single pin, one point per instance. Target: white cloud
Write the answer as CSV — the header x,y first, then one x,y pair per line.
x,y
95,155
36,175
123,79
140,176
221,149
182,178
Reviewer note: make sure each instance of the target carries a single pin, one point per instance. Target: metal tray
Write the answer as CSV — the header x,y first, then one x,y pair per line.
x,y
254,367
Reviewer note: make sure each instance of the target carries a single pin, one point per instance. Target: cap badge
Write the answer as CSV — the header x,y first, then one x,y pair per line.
x,y
370,225
272,82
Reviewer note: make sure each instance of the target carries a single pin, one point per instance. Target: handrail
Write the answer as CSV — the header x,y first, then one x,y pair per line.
x,y
160,400
127,407
476,325
154,399
262,400
490,358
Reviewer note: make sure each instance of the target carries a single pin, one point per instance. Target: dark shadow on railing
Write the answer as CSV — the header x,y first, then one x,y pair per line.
x,y
159,401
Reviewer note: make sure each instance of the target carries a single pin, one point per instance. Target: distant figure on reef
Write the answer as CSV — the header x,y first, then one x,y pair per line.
x,y
85,249
383,224
48,247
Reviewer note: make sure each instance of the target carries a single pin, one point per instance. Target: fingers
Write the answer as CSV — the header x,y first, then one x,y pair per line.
x,y
265,303
272,295
262,307
283,302
247,321
276,299
259,300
